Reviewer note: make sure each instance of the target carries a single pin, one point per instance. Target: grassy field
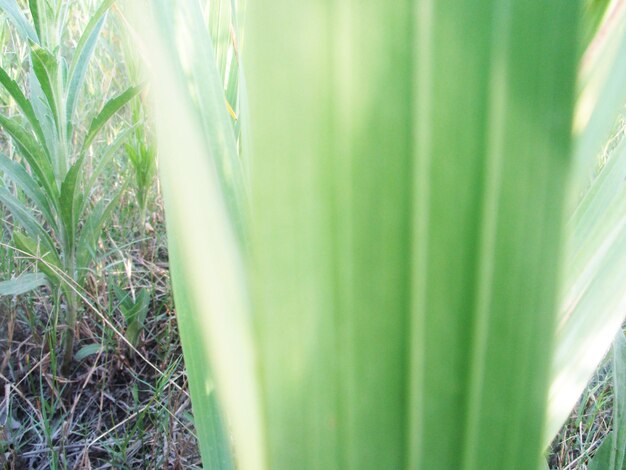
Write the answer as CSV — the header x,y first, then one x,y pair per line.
x,y
91,367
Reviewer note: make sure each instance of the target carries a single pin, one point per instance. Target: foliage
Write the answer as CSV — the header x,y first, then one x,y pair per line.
x,y
54,150
384,289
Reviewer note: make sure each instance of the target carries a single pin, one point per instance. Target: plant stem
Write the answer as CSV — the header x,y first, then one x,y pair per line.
x,y
68,343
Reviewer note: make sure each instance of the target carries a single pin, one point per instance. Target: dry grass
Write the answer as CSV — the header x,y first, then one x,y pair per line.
x,y
116,409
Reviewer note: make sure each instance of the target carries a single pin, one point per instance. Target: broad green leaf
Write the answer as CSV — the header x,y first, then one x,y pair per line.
x,y
593,301
23,103
210,425
82,55
419,265
22,284
26,183
593,12
409,167
207,92
24,28
602,458
33,153
108,110
207,274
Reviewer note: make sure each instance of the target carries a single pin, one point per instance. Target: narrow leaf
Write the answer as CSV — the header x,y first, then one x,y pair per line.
x,y
82,55
91,231
24,28
22,102
25,218
68,200
22,284
31,188
33,153
45,67
47,261
88,350
108,111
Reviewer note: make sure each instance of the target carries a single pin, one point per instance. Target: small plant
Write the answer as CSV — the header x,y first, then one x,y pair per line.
x,y
134,309
142,157
140,148
63,232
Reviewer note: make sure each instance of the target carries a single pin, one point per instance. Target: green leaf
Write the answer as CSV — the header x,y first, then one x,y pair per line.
x,y
593,13
410,168
24,28
109,109
69,201
82,55
104,160
423,266
88,350
45,67
44,116
206,91
33,6
593,299
47,261
23,103
602,92
33,153
204,330
22,284
209,423
92,229
30,187
25,218
134,312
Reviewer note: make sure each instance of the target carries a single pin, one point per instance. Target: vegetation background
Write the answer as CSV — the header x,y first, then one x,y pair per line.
x,y
114,394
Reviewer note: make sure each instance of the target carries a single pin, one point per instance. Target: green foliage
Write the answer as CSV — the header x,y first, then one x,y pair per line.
x,y
134,309
56,150
141,147
383,292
